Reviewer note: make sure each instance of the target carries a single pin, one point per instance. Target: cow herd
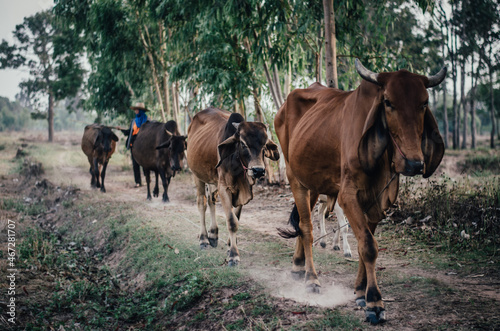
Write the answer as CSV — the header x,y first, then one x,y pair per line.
x,y
348,148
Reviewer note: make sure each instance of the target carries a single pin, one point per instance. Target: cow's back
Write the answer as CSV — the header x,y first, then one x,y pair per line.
x,y
203,138
309,127
90,133
305,108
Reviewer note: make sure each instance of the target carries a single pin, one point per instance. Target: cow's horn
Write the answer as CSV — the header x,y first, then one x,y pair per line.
x,y
168,133
366,74
437,78
236,125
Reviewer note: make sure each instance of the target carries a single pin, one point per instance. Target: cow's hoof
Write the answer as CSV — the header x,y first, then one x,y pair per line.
x,y
375,315
213,242
298,275
361,302
322,244
313,288
166,200
336,248
233,263
347,254
149,198
203,246
103,190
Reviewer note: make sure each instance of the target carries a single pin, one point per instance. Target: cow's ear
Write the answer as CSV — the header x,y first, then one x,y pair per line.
x,y
114,136
164,145
226,148
271,150
374,140
432,144
184,139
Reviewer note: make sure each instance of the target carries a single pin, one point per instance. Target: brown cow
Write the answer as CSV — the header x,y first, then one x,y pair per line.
x,y
98,143
354,145
227,153
159,147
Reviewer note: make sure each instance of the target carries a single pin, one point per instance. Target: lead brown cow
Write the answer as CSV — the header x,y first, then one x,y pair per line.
x,y
226,153
353,146
98,144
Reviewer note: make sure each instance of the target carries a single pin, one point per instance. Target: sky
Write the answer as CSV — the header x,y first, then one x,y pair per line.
x,y
12,12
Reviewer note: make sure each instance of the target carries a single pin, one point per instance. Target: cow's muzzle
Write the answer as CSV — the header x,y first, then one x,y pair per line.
x,y
176,168
258,172
413,168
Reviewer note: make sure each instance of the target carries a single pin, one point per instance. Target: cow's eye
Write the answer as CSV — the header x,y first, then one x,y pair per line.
x,y
387,103
425,105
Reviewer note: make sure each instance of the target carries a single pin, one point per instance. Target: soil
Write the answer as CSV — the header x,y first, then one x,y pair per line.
x,y
457,301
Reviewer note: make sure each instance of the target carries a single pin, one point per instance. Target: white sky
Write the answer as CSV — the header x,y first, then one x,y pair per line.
x,y
12,12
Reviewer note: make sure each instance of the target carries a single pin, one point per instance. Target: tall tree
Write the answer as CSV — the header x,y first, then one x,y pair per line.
x,y
51,52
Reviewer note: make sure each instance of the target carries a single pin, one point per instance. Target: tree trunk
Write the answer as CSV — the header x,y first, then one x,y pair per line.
x,y
50,116
259,116
271,86
330,44
175,105
473,104
445,116
492,108
149,52
464,103
288,76
277,84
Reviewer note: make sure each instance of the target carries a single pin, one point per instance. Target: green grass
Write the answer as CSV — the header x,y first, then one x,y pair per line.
x,y
20,206
334,320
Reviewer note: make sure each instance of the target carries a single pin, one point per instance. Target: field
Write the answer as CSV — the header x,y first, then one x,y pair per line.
x,y
88,260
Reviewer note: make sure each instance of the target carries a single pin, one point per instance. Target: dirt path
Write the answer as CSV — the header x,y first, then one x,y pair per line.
x,y
417,296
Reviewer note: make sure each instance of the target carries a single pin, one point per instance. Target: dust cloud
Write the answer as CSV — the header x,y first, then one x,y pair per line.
x,y
281,284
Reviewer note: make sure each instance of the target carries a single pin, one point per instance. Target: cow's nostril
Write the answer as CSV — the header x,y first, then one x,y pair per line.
x,y
414,167
258,172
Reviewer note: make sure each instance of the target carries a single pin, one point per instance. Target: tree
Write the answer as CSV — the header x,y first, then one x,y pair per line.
x,y
51,53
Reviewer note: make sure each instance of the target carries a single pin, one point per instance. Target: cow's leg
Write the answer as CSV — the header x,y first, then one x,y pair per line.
x,y
305,201
367,291
96,172
201,201
156,190
343,229
103,174
165,181
232,226
147,175
322,214
213,234
91,171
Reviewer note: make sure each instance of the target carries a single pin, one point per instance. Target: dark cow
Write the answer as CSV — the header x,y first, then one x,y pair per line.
x,y
98,143
226,153
159,148
353,146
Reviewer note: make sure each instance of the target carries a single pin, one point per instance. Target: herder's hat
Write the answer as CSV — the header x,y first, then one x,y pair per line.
x,y
139,105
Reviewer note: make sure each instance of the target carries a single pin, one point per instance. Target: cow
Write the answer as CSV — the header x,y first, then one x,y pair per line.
x,y
226,155
158,148
352,146
323,211
98,143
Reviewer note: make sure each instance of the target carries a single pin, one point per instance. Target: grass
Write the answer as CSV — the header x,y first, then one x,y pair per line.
x,y
464,214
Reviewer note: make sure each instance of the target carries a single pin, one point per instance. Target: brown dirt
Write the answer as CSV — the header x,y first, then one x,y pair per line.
x,y
452,299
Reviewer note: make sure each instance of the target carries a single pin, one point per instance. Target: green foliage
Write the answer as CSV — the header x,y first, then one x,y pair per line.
x,y
335,320
12,115
482,164
464,215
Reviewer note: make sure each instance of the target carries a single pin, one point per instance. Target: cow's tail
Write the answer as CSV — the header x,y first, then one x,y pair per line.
x,y
294,221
